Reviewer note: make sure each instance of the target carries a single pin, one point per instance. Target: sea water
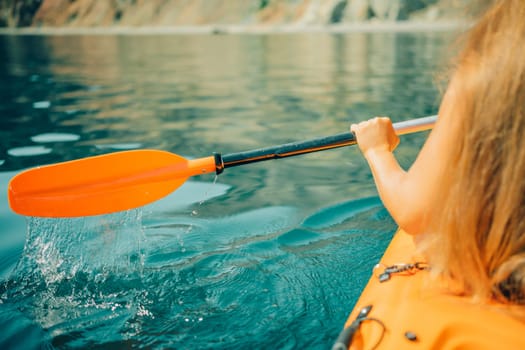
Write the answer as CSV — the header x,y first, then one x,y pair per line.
x,y
269,255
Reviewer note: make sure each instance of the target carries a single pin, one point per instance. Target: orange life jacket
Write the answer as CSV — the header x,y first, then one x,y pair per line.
x,y
408,311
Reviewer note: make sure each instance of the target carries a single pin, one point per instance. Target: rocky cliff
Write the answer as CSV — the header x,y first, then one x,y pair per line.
x,y
96,13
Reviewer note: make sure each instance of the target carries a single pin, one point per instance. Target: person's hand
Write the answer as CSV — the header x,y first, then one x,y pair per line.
x,y
375,134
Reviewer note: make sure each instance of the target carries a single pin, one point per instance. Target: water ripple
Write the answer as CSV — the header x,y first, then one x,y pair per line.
x,y
28,151
259,269
55,137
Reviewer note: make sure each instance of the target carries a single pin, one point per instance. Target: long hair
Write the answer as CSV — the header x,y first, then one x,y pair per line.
x,y
480,241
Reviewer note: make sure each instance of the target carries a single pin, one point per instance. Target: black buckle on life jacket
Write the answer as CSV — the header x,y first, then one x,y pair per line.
x,y
344,340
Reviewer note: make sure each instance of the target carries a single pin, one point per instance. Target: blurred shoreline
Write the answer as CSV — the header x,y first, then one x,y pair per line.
x,y
371,27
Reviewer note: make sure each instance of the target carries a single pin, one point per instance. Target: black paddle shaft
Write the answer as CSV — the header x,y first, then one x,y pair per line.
x,y
314,145
283,151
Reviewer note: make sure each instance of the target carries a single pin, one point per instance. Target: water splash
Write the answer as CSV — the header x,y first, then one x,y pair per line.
x,y
80,272
58,249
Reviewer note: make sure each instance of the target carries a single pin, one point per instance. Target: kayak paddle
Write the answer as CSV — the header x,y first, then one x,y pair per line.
x,y
124,180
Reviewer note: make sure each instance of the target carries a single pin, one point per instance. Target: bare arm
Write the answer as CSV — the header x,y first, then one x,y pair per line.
x,y
408,195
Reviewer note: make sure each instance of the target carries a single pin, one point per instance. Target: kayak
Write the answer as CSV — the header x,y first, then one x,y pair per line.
x,y
401,308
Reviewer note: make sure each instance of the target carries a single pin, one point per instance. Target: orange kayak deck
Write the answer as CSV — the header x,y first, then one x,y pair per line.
x,y
408,311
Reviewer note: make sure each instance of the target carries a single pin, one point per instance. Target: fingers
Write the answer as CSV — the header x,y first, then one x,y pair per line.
x,y
375,133
370,122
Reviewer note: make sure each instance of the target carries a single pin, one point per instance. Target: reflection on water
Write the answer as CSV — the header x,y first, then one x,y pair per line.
x,y
228,92
270,255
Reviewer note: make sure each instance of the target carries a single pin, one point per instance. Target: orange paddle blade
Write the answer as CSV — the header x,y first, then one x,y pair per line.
x,y
102,184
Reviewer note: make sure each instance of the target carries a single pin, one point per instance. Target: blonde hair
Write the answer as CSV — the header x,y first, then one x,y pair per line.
x,y
480,239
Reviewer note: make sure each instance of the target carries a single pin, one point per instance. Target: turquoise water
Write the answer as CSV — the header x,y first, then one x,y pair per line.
x,y
268,255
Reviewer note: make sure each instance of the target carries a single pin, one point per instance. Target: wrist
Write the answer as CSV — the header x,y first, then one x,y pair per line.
x,y
376,152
